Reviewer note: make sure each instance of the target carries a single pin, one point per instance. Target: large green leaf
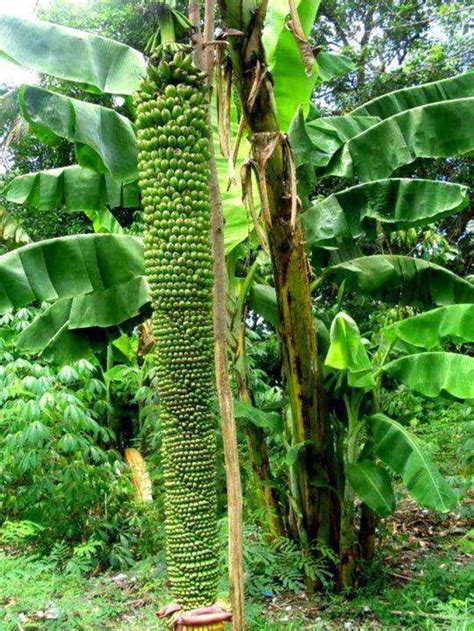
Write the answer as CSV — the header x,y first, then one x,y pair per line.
x,y
95,283
68,267
266,420
399,450
397,203
428,330
292,85
262,299
104,140
110,306
104,221
98,63
324,136
402,279
435,373
347,352
73,327
372,484
74,187
331,66
49,334
315,142
458,87
438,130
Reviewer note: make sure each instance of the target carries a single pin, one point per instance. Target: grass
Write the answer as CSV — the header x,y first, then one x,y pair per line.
x,y
35,595
438,595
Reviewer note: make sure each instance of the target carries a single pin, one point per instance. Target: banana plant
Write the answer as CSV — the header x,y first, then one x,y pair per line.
x,y
377,447
90,300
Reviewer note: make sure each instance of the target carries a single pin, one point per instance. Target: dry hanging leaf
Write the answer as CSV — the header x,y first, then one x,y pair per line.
x,y
305,48
247,198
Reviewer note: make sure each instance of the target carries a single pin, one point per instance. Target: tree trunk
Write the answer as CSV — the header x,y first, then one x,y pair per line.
x,y
367,539
348,551
297,332
262,478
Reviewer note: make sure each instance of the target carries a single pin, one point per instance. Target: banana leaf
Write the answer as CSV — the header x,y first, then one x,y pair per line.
x,y
315,142
372,484
262,299
104,140
68,267
435,373
454,323
49,335
397,203
271,421
97,63
402,279
74,188
293,85
324,136
458,87
400,451
437,130
347,352
96,283
104,221
331,66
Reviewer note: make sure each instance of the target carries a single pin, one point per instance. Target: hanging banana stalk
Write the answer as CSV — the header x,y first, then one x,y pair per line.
x,y
174,181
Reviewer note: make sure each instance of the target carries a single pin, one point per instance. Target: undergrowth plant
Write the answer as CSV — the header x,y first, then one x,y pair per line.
x,y
64,488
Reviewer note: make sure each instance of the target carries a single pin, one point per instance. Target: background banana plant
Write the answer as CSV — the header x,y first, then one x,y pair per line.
x,y
429,372
375,447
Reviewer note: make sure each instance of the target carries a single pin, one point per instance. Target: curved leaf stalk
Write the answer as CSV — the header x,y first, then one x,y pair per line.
x,y
368,517
318,505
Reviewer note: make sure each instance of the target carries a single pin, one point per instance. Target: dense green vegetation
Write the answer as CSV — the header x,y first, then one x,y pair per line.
x,y
344,167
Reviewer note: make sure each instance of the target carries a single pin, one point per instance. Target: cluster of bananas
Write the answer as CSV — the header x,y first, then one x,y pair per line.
x,y
173,138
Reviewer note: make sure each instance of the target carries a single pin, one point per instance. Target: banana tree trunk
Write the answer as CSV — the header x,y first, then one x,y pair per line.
x,y
291,273
348,551
367,536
